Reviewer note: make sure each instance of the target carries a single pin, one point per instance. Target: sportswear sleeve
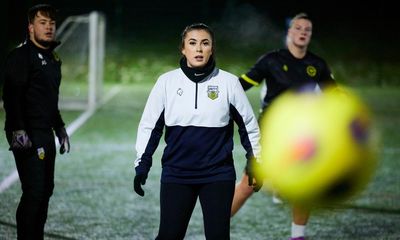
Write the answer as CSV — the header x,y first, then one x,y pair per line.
x,y
327,79
255,75
16,76
150,128
58,119
243,114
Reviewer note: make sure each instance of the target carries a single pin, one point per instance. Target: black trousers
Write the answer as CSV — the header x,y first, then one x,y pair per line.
x,y
36,173
177,202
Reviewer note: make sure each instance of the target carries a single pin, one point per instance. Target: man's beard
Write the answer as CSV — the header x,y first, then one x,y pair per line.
x,y
44,43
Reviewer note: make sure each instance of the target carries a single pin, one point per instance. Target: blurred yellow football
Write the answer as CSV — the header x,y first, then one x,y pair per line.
x,y
317,148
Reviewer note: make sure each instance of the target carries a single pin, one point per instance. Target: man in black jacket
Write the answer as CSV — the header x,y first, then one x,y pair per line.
x,y
31,87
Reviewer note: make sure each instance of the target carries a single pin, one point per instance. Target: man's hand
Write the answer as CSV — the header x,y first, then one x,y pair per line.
x,y
250,171
20,140
140,179
63,139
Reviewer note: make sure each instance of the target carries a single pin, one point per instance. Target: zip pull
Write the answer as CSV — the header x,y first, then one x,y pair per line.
x,y
195,99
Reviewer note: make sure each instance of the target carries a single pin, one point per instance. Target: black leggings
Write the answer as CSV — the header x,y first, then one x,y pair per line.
x,y
177,204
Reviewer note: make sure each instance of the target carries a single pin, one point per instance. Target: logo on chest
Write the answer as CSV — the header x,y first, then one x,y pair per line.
x,y
179,91
40,56
212,92
311,71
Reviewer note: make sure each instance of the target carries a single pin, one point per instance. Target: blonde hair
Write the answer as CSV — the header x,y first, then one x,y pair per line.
x,y
299,16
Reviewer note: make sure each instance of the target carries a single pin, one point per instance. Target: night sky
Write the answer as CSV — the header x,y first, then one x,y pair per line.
x,y
358,20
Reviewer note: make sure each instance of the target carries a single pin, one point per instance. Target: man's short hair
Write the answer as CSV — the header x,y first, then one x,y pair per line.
x,y
44,9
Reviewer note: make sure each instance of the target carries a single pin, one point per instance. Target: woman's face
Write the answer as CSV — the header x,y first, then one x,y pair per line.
x,y
299,34
197,48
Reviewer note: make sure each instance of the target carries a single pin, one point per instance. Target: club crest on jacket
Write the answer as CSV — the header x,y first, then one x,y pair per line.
x,y
212,92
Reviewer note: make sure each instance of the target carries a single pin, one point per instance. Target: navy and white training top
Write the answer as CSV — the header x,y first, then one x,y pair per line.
x,y
198,120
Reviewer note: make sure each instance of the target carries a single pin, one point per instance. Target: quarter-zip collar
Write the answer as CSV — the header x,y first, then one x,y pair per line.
x,y
197,74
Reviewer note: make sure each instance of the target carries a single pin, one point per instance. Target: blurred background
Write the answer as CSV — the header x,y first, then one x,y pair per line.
x,y
93,198
353,36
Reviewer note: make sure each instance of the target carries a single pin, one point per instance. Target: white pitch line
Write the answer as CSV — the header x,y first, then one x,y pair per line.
x,y
77,123
8,181
87,114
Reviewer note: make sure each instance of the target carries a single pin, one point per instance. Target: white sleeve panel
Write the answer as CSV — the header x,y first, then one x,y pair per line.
x,y
240,101
154,107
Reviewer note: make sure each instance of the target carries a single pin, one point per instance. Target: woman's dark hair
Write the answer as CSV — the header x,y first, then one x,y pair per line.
x,y
44,9
198,26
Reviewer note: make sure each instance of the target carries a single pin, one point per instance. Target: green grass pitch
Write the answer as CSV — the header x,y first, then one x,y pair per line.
x,y
93,196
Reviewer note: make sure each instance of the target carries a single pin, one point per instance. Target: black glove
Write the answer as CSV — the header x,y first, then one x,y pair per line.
x,y
140,179
20,140
63,139
250,171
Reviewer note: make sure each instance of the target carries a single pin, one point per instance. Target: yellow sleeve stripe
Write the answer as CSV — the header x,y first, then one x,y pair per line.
x,y
249,80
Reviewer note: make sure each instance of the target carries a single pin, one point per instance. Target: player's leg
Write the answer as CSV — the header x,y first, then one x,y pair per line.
x,y
300,218
47,144
215,199
276,198
177,202
26,210
36,183
242,192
